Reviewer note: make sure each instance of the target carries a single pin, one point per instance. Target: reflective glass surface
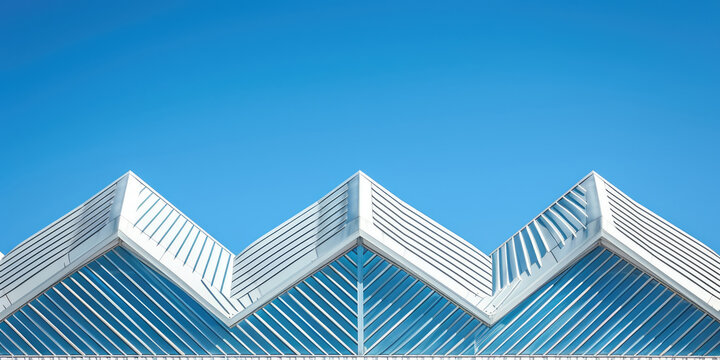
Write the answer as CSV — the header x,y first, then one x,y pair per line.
x,y
360,303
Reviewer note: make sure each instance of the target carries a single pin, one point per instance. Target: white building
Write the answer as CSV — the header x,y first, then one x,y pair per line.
x,y
359,273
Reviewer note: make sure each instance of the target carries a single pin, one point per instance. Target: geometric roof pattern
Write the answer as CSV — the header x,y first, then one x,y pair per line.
x,y
360,212
317,316
359,303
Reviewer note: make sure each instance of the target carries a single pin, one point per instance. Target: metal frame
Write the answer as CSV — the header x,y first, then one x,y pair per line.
x,y
359,211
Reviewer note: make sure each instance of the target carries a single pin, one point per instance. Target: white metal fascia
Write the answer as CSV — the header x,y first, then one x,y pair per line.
x,y
361,212
673,277
355,190
128,226
339,245
157,254
359,228
72,250
602,230
404,261
119,230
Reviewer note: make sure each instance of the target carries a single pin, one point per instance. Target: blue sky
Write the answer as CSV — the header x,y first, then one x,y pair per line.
x,y
477,113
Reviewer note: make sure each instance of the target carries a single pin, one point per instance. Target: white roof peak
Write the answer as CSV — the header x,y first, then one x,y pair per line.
x,y
130,173
359,210
592,213
360,173
131,214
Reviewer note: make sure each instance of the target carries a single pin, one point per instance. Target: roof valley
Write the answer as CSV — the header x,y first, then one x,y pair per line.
x,y
132,214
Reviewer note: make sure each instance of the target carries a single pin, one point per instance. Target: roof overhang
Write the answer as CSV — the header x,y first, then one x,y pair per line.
x,y
130,214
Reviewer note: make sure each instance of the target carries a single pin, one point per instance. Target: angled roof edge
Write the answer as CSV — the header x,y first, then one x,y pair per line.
x,y
345,242
172,244
59,249
550,243
601,228
334,224
672,256
142,221
129,213
113,217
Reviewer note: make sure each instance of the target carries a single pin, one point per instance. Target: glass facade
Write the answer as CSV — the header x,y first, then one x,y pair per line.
x,y
359,304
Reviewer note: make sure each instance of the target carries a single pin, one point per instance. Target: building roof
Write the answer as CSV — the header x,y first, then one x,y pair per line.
x,y
130,213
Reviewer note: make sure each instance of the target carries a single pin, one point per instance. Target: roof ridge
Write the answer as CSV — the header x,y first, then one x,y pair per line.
x,y
130,213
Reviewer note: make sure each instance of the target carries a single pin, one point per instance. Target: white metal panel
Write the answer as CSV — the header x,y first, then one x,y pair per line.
x,y
688,257
154,216
47,252
278,253
437,249
561,222
229,284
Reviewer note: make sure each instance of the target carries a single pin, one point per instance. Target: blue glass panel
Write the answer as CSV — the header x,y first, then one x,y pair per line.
x,y
169,313
37,342
542,299
67,326
613,321
404,316
615,289
56,342
88,295
644,334
711,346
15,341
128,302
601,305
268,322
695,338
634,319
85,322
304,327
674,331
7,346
265,345
207,326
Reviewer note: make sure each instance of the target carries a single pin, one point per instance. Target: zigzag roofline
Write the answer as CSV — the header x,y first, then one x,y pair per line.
x,y
350,214
131,214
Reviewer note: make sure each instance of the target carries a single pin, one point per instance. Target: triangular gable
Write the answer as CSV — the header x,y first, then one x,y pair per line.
x,y
600,305
359,211
51,253
135,215
359,303
675,257
118,305
603,305
129,212
595,213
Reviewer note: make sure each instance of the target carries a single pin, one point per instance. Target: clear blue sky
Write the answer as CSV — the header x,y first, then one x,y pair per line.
x,y
477,113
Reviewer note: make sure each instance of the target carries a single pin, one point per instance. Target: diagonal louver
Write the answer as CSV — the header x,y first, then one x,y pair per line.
x,y
360,303
359,273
